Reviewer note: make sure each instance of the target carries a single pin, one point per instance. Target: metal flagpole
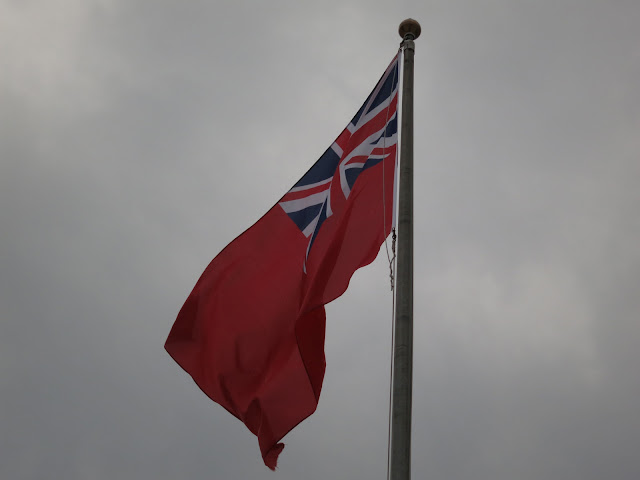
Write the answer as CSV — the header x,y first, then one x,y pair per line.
x,y
403,345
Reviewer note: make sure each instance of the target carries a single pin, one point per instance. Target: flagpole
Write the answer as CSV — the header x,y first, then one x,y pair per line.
x,y
403,337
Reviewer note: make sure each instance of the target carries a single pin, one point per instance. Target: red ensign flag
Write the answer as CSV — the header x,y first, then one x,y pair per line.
x,y
251,333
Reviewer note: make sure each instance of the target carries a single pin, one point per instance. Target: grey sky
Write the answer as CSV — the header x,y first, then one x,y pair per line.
x,y
137,138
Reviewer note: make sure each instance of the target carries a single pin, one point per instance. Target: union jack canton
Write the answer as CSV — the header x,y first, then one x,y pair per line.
x,y
370,137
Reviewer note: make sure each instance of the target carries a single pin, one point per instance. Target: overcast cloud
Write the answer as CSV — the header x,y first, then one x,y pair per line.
x,y
139,137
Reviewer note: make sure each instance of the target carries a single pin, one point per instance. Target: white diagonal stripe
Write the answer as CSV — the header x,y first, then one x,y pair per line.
x,y
364,119
312,226
336,148
302,203
310,186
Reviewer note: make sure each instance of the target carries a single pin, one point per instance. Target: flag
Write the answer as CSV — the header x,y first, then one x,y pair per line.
x,y
251,333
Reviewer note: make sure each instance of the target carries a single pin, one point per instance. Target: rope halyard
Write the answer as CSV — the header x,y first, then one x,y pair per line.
x,y
391,259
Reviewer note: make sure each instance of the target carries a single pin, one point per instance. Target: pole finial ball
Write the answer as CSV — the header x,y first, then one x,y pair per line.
x,y
409,26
